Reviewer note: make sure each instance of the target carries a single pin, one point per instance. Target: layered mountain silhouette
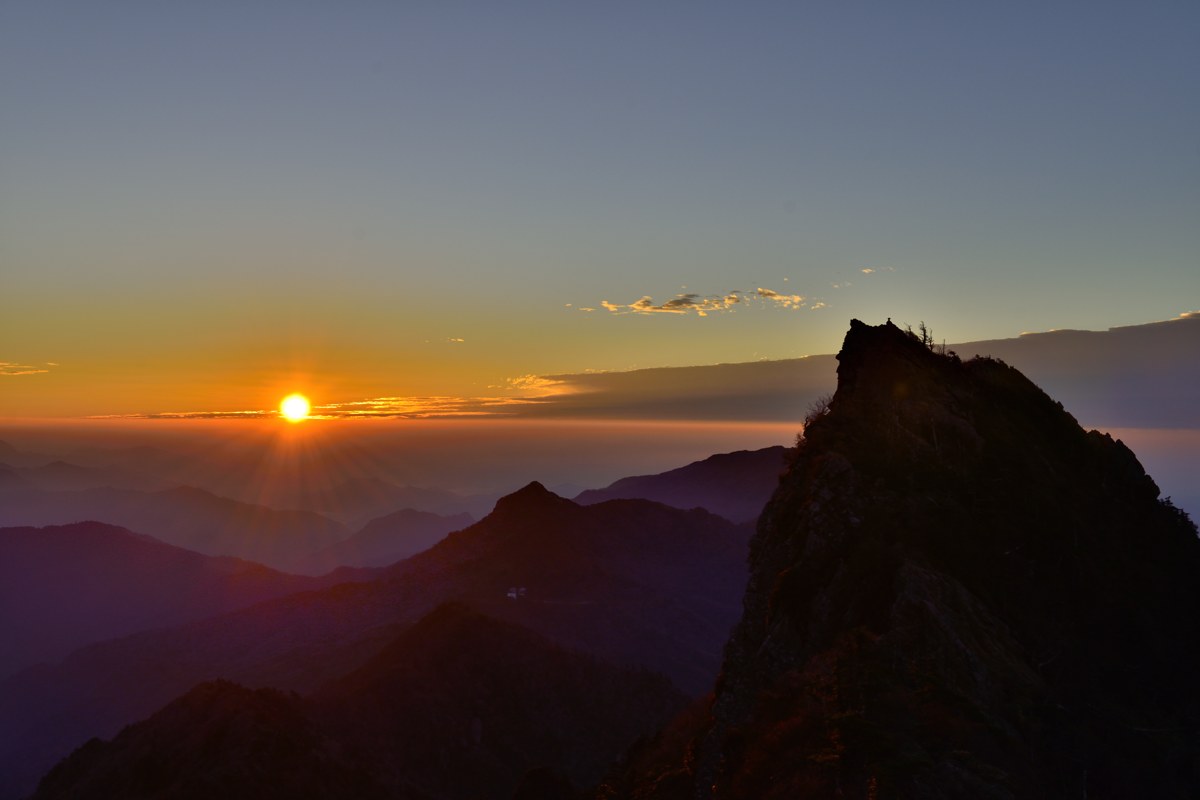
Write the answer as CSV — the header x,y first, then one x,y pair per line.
x,y
633,582
357,501
955,592
734,485
62,587
388,539
458,706
184,516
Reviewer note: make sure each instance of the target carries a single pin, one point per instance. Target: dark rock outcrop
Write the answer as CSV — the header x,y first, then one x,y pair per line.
x,y
955,592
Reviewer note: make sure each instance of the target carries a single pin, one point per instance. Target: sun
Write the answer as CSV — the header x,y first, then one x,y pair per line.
x,y
295,407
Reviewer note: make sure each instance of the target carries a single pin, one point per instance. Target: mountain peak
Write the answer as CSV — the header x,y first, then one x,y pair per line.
x,y
951,570
531,498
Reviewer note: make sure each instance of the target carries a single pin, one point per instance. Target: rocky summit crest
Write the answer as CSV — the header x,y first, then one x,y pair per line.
x,y
956,591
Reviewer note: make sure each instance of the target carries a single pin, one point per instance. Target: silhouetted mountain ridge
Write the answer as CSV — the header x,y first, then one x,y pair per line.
x,y
457,706
734,485
185,516
388,539
629,581
62,587
956,591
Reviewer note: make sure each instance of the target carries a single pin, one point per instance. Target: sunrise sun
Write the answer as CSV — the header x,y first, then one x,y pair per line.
x,y
294,407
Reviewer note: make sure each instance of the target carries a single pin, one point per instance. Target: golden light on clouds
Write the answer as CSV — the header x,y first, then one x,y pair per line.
x,y
295,407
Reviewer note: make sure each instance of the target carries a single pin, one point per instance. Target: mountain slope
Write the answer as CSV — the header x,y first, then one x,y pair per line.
x,y
218,740
388,539
733,485
183,516
62,587
631,581
462,705
956,591
457,706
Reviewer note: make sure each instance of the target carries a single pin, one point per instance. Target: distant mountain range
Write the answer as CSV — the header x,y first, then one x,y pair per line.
x,y
183,516
62,587
388,539
734,485
634,582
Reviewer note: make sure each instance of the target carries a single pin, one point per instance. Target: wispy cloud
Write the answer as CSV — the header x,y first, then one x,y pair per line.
x,y
383,407
534,383
703,305
782,300
11,368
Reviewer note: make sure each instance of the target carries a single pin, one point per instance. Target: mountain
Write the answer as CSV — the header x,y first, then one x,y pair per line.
x,y
462,705
62,587
183,516
457,706
1134,376
218,740
390,538
956,591
356,501
633,582
734,485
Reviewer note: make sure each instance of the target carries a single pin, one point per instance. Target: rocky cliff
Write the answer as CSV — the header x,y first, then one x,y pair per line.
x,y
955,592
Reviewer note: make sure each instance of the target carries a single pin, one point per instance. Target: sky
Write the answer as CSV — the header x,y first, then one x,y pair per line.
x,y
206,206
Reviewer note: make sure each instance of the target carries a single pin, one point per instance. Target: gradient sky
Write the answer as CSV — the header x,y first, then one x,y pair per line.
x,y
207,205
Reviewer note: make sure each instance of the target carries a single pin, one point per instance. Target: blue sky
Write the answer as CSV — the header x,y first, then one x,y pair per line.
x,y
234,196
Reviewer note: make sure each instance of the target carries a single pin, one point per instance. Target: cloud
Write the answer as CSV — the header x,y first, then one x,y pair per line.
x,y
867,271
533,383
10,368
1105,376
679,304
703,305
455,340
782,300
818,306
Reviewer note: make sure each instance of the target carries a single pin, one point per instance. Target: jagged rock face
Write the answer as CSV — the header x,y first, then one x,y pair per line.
x,y
957,592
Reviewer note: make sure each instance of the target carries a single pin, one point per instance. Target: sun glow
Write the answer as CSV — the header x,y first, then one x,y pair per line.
x,y
295,407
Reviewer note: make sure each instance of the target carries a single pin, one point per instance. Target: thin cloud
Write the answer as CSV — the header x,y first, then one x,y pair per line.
x,y
703,305
455,340
375,407
781,300
534,383
11,368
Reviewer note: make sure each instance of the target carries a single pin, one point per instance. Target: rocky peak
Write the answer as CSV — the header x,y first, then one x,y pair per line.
x,y
957,591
